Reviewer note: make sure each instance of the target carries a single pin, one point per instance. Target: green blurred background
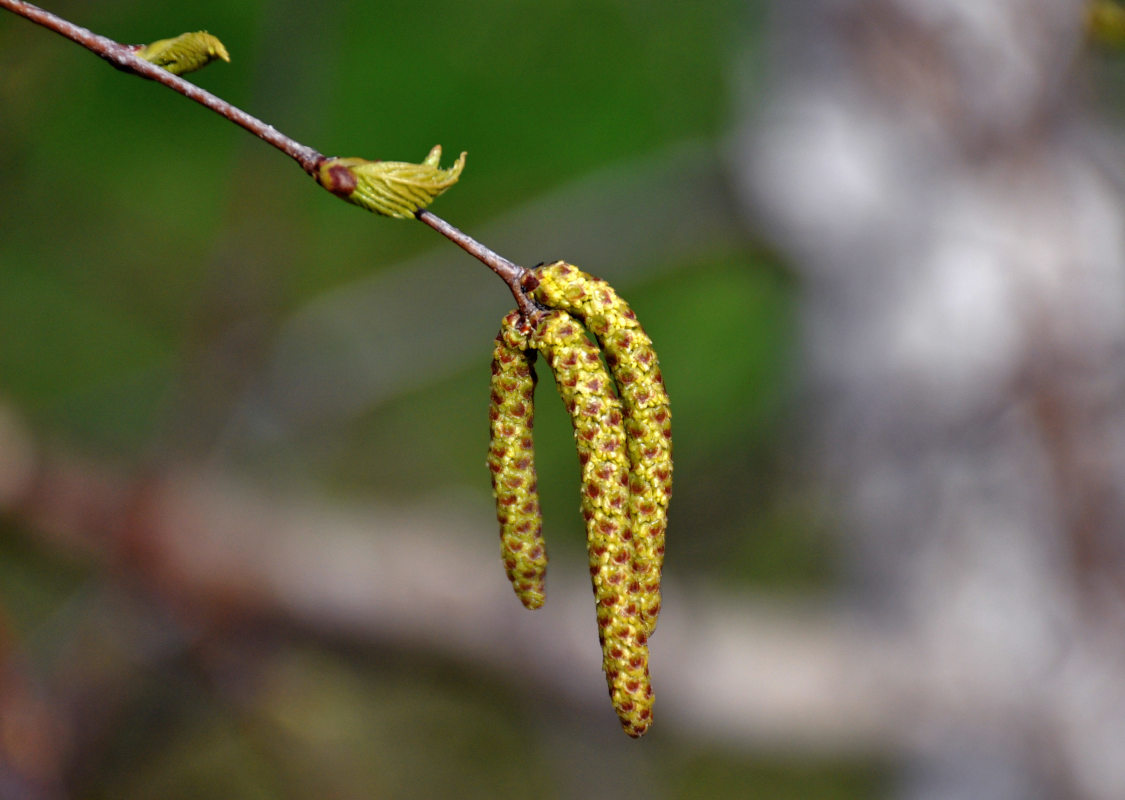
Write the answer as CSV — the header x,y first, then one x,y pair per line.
x,y
152,255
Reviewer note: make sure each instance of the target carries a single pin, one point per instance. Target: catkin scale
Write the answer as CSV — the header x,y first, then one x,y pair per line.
x,y
511,462
599,433
648,421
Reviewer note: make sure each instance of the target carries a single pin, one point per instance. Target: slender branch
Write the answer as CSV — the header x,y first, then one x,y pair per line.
x,y
124,58
511,274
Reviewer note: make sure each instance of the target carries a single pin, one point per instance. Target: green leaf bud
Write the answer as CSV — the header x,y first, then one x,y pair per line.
x,y
184,53
391,188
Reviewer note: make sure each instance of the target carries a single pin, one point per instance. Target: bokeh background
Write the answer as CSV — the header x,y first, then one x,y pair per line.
x,y
247,544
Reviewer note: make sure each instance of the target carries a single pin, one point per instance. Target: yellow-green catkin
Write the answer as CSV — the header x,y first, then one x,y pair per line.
x,y
648,418
511,460
391,188
184,53
599,434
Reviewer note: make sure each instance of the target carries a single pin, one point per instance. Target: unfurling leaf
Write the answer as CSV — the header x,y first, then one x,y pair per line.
x,y
184,53
391,188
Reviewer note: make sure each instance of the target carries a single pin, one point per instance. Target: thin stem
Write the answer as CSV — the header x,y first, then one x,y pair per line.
x,y
512,274
124,57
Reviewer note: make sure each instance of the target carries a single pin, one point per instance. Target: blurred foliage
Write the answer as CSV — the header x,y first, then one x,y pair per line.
x,y
131,216
1105,22
34,588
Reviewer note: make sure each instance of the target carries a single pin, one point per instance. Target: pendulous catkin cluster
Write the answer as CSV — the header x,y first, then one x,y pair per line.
x,y
622,432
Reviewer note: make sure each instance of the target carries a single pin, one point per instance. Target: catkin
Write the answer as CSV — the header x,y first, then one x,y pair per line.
x,y
511,460
648,419
599,433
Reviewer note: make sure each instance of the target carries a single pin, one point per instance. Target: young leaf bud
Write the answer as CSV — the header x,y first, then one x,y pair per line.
x,y
595,412
648,418
184,53
511,461
391,188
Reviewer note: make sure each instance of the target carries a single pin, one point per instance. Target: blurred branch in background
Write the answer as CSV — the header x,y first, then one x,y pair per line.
x,y
214,558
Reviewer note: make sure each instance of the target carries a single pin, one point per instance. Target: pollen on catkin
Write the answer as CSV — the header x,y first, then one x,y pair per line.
x,y
648,419
511,461
599,433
